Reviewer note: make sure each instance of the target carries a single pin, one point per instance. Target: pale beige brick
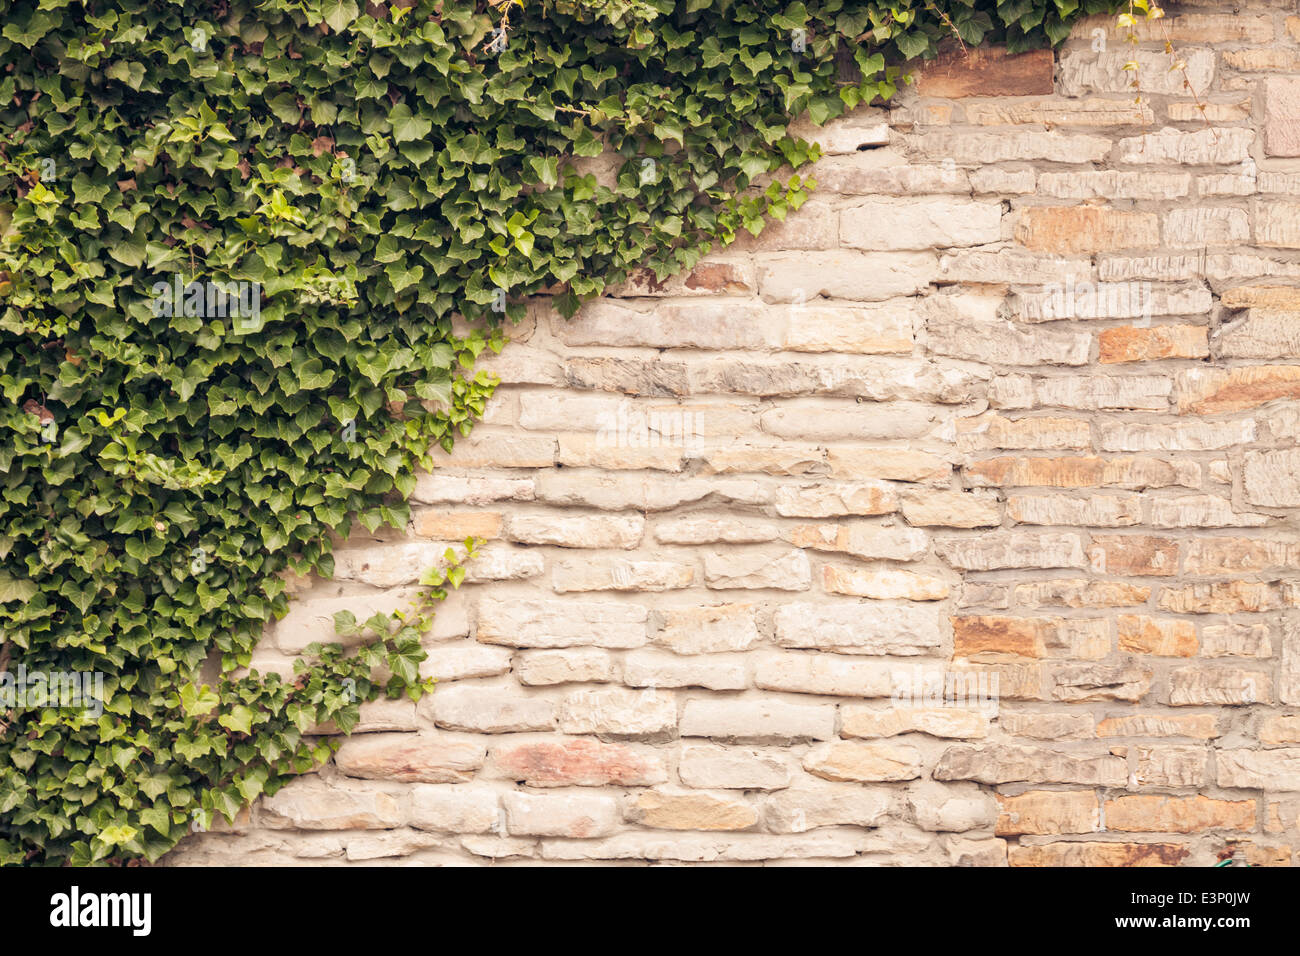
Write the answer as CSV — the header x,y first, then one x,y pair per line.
x,y
757,720
577,665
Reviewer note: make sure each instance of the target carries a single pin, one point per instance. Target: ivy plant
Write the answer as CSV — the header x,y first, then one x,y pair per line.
x,y
236,234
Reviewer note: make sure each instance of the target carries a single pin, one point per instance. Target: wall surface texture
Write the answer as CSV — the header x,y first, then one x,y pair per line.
x,y
952,521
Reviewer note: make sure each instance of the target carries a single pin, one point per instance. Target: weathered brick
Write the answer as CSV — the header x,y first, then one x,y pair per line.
x,y
1201,511
650,378
1236,640
1124,681
412,758
813,805
576,665
1083,72
454,809
618,712
1169,766
1114,184
576,531
490,710
989,638
988,147
570,623
987,72
561,815
832,499
1133,554
1210,391
825,674
586,451
733,768
934,721
1091,111
1278,225
1003,763
1111,300
711,529
667,810
1002,180
758,568
578,762
1199,726
1042,433
1201,686
1048,726
822,420
928,223
709,847
1201,226
1218,146
903,630
1104,511
470,491
708,629
649,668
757,720
851,176
952,808
1098,854
310,804
1080,592
1178,814
620,574
1085,229
1106,392
1013,265
1012,549
1048,812
1130,344
1230,555
1259,769
864,763
456,525
617,492
1083,472
962,327
843,274
1260,334
855,464
865,329
884,585
486,450
1282,106
950,509
861,539
701,324
1219,597
464,660
1280,730
1272,478
1161,637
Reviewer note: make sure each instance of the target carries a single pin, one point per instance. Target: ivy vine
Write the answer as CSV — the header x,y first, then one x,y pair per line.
x,y
235,235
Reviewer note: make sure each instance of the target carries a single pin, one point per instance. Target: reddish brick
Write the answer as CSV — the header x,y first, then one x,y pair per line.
x,y
1132,344
987,72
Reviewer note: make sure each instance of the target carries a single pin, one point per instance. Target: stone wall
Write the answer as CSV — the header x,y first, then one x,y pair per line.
x,y
952,521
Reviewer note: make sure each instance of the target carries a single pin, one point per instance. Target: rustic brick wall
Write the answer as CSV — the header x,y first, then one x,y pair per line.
x,y
952,521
